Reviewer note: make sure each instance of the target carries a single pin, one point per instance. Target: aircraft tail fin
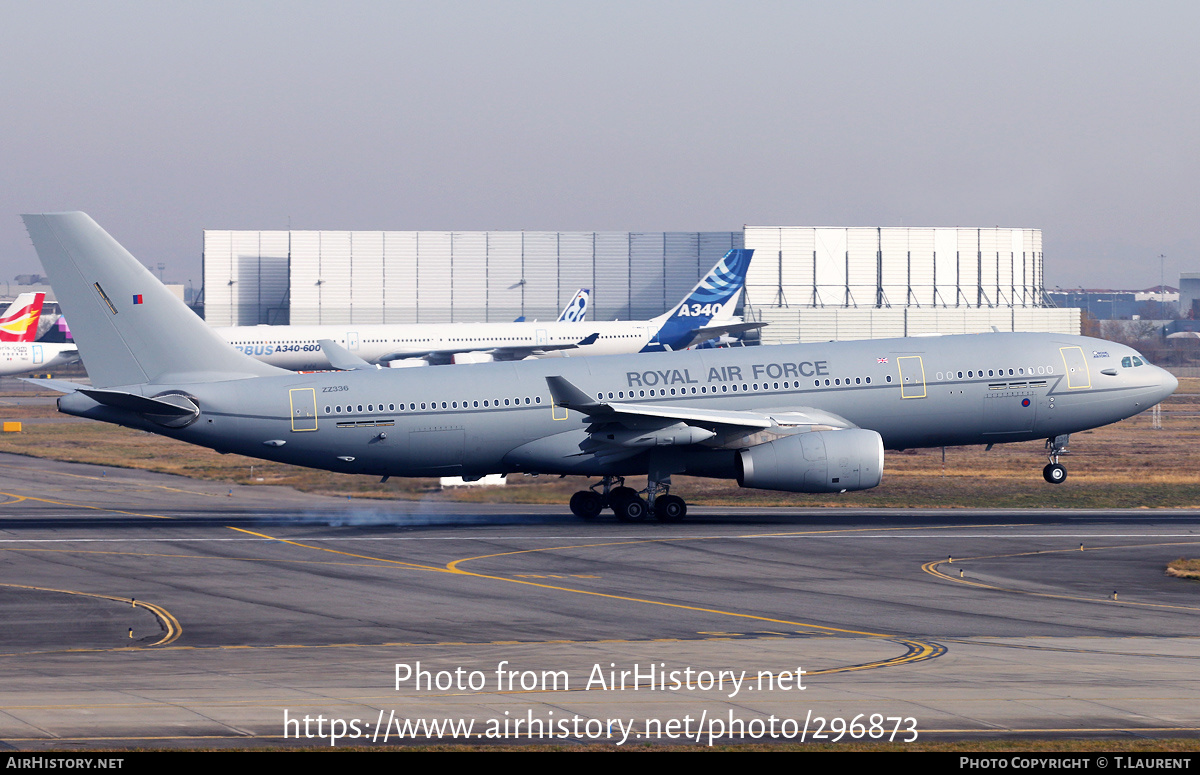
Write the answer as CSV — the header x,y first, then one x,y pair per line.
x,y
577,307
129,328
714,297
19,323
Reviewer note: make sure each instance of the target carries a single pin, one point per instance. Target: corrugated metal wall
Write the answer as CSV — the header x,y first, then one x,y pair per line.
x,y
246,277
821,284
810,284
894,267
343,277
798,324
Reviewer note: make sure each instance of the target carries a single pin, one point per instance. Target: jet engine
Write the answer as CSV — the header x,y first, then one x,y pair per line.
x,y
819,461
473,357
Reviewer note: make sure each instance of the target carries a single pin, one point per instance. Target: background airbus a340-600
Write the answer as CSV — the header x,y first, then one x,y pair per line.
x,y
799,418
705,313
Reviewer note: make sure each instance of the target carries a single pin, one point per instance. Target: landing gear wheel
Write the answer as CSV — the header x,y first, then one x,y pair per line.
x,y
631,509
1054,473
619,495
586,504
669,508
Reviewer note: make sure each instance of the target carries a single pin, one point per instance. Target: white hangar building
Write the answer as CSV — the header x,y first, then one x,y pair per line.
x,y
808,283
363,277
818,284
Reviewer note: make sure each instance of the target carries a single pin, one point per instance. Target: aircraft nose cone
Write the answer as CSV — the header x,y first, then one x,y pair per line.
x,y
1169,383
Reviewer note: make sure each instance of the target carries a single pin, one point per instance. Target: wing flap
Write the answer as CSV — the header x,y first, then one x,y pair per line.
x,y
628,424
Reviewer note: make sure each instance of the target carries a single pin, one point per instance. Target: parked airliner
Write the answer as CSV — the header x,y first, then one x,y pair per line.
x,y
706,313
797,418
19,352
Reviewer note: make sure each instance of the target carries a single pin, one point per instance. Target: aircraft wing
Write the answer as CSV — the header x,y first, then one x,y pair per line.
x,y
442,357
521,353
432,357
712,331
630,426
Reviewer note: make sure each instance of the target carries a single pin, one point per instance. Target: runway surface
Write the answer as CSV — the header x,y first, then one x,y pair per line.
x,y
141,609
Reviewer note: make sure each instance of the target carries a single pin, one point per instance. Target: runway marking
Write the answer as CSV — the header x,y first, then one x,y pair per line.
x,y
115,482
918,651
205,558
169,622
846,531
641,538
77,506
401,563
672,539
932,569
1064,649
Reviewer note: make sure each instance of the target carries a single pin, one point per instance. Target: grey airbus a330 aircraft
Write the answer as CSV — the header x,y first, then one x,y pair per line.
x,y
799,418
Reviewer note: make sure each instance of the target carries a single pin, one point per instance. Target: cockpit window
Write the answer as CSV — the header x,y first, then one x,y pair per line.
x,y
1138,361
1126,362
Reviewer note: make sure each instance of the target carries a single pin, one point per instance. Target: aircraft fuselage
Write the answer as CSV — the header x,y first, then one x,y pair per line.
x,y
500,417
23,357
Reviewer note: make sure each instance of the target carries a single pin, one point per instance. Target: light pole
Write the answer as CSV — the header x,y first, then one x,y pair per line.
x,y
1161,284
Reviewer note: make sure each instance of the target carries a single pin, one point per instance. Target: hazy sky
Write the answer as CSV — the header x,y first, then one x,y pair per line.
x,y
162,119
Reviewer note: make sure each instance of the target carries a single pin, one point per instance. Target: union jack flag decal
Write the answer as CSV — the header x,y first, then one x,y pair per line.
x,y
881,360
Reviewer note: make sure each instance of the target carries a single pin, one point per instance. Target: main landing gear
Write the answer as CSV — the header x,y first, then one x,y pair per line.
x,y
627,503
1054,472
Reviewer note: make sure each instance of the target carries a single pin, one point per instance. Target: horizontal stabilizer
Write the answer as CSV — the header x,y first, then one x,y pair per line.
x,y
60,385
169,405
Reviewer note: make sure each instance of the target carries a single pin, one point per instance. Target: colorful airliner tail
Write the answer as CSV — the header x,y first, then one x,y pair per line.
x,y
715,297
20,321
576,309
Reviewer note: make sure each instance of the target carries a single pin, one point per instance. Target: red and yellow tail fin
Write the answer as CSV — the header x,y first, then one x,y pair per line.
x,y
20,322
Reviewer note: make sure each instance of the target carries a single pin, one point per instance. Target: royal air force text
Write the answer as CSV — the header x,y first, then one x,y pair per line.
x,y
728,374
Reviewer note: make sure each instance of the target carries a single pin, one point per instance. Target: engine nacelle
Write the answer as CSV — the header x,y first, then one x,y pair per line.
x,y
473,357
820,461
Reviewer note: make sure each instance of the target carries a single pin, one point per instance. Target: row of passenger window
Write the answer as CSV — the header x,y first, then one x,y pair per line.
x,y
1019,371
430,405
537,400
732,388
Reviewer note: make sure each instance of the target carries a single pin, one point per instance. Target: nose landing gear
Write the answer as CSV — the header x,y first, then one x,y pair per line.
x,y
1054,472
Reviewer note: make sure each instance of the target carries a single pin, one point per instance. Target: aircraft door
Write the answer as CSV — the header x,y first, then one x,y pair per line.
x,y
541,337
352,340
1078,376
36,351
912,376
303,402
440,447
